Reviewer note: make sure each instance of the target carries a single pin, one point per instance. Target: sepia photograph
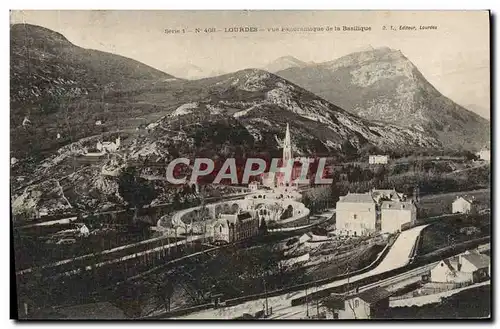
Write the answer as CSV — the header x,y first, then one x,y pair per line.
x,y
250,165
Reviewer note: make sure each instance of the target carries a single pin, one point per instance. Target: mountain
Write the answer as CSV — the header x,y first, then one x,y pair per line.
x,y
383,85
191,72
44,63
249,107
61,88
284,63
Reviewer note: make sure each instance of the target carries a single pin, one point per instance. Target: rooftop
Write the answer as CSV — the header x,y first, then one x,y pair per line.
x,y
469,199
452,264
374,295
357,198
478,260
397,204
232,218
392,194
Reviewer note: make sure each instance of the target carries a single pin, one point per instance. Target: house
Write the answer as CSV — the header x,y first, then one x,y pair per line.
x,y
305,237
378,159
98,123
42,212
84,230
477,264
108,146
235,227
387,194
396,213
253,186
484,155
356,214
464,205
363,213
368,304
468,267
448,270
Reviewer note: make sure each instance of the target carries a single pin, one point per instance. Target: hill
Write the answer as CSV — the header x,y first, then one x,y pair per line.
x,y
382,84
44,63
49,77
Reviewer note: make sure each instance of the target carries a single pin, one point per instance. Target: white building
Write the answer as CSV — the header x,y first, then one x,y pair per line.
x,y
84,230
109,146
356,214
477,264
359,213
98,123
463,205
368,304
378,159
484,154
42,212
235,227
470,266
448,270
253,186
305,237
396,213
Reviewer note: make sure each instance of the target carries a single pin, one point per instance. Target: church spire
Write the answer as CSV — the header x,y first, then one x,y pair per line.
x,y
287,146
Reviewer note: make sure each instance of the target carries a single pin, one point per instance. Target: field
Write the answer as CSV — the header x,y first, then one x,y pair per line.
x,y
35,249
472,303
449,231
438,204
235,272
430,178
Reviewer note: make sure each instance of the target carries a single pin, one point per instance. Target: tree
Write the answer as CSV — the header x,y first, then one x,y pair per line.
x,y
130,297
164,289
136,191
263,226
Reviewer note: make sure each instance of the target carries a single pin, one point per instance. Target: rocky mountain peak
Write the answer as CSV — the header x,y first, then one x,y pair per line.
x,y
382,84
283,63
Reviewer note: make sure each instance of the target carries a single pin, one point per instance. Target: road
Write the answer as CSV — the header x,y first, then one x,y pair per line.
x,y
398,256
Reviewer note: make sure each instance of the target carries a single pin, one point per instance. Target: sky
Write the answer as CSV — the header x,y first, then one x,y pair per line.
x,y
454,57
